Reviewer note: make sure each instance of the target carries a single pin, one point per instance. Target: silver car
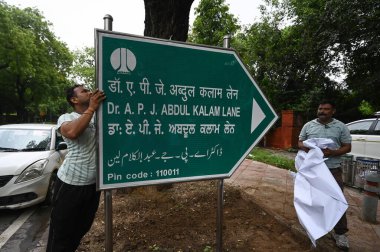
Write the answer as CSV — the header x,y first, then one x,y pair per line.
x,y
366,137
30,155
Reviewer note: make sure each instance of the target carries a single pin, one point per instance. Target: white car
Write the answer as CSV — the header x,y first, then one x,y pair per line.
x,y
30,155
365,137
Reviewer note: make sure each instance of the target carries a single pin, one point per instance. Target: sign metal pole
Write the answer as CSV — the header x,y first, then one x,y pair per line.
x,y
108,193
219,216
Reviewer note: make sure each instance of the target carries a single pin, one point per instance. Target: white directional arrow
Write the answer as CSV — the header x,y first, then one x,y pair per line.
x,y
257,115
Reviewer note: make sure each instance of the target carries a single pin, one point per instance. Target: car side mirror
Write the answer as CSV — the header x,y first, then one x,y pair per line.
x,y
62,146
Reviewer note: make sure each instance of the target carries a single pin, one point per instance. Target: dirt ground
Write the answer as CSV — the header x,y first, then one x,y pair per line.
x,y
183,218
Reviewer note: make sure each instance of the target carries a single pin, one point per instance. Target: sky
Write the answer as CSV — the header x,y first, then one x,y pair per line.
x,y
74,21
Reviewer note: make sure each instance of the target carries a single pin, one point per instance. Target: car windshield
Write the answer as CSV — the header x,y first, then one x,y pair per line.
x,y
24,140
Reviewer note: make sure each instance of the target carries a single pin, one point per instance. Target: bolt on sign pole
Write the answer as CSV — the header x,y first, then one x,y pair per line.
x,y
108,193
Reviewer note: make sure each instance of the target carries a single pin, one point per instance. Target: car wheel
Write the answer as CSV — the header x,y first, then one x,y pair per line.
x,y
50,193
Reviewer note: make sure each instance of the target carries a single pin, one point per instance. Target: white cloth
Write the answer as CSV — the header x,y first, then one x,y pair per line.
x,y
318,199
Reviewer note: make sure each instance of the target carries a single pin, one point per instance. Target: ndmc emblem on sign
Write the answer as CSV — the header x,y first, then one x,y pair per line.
x,y
174,111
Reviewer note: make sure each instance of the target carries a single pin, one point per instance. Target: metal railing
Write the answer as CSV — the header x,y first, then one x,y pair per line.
x,y
354,171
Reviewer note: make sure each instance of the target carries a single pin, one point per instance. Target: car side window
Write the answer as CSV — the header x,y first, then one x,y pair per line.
x,y
377,128
360,127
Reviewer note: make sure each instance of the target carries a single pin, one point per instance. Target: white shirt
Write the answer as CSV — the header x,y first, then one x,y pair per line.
x,y
79,167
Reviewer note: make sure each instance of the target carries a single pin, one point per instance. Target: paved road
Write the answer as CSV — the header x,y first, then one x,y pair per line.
x,y
24,230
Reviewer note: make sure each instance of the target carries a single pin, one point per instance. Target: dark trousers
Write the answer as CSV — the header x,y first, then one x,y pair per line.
x,y
341,226
74,209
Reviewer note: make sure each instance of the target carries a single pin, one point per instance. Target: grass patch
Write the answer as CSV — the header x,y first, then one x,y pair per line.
x,y
267,157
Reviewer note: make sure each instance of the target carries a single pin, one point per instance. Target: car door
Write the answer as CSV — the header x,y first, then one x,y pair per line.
x,y
372,145
359,132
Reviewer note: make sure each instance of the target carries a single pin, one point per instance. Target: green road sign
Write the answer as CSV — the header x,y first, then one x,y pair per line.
x,y
174,111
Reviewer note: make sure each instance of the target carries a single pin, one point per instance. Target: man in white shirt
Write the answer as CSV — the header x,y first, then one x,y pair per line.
x,y
76,200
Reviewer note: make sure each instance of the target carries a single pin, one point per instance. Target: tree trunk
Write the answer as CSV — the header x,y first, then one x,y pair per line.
x,y
167,19
22,113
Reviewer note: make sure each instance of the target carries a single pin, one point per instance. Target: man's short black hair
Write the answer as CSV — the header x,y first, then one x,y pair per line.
x,y
70,93
327,101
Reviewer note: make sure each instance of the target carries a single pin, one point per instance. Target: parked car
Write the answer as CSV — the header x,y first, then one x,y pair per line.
x,y
366,137
30,155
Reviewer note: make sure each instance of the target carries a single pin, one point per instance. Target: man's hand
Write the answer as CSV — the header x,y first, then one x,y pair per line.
x,y
345,148
96,99
302,147
328,152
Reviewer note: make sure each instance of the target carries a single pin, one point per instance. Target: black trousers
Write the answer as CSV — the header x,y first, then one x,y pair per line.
x,y
74,209
341,226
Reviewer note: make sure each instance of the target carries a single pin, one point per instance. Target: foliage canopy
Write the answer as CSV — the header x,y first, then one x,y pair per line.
x,y
298,52
34,64
212,23
303,51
